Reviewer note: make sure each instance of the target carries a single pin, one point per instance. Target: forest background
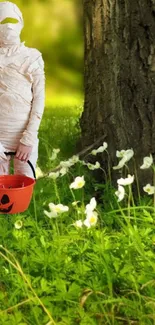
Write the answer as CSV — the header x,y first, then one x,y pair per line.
x,y
55,28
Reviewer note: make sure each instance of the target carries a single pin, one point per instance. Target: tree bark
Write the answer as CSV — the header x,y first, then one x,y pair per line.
x,y
119,76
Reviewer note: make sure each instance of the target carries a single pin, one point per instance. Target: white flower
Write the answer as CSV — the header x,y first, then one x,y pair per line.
x,y
74,159
54,175
93,167
120,193
105,145
39,172
50,214
100,149
149,189
70,162
86,223
78,223
126,155
18,224
91,219
97,165
91,206
147,162
63,171
55,210
53,157
120,164
59,208
54,154
79,182
126,181
91,215
66,164
120,154
94,152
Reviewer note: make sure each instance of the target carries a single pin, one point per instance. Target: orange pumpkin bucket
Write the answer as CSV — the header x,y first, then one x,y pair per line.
x,y
16,191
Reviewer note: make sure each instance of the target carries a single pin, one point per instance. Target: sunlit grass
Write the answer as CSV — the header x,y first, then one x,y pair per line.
x,y
58,100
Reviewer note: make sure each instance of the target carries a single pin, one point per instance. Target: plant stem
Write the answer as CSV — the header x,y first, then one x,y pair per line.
x,y
56,190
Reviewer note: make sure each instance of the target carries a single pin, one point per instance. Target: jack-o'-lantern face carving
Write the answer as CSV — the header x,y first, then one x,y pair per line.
x,y
5,206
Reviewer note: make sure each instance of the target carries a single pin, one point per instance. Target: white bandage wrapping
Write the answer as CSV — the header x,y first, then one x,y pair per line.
x,y
22,85
3,157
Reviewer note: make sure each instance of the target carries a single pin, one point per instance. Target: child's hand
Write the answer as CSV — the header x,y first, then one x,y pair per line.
x,y
23,152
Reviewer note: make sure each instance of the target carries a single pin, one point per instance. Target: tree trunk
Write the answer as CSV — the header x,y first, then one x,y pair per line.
x,y
119,75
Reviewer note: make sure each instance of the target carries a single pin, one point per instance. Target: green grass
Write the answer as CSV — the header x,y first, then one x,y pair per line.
x,y
54,273
59,129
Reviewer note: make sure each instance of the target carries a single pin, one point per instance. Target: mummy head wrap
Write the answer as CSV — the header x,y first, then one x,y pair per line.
x,y
9,32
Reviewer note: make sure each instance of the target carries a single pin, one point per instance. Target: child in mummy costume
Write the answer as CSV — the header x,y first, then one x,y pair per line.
x,y
21,94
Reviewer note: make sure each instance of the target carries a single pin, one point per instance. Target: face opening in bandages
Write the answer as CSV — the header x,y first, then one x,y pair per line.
x,y
11,24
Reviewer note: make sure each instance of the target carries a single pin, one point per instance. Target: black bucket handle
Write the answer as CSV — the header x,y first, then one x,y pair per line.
x,y
10,153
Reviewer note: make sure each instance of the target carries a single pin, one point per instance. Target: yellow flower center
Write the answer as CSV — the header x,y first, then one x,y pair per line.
x,y
57,209
92,219
80,183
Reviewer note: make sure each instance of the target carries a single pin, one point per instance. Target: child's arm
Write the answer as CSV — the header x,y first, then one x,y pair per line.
x,y
38,89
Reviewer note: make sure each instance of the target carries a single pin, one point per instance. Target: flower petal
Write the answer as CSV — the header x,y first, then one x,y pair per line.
x,y
149,189
147,162
126,181
120,193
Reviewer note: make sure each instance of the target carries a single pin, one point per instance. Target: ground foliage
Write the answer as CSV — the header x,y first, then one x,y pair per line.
x,y
52,272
